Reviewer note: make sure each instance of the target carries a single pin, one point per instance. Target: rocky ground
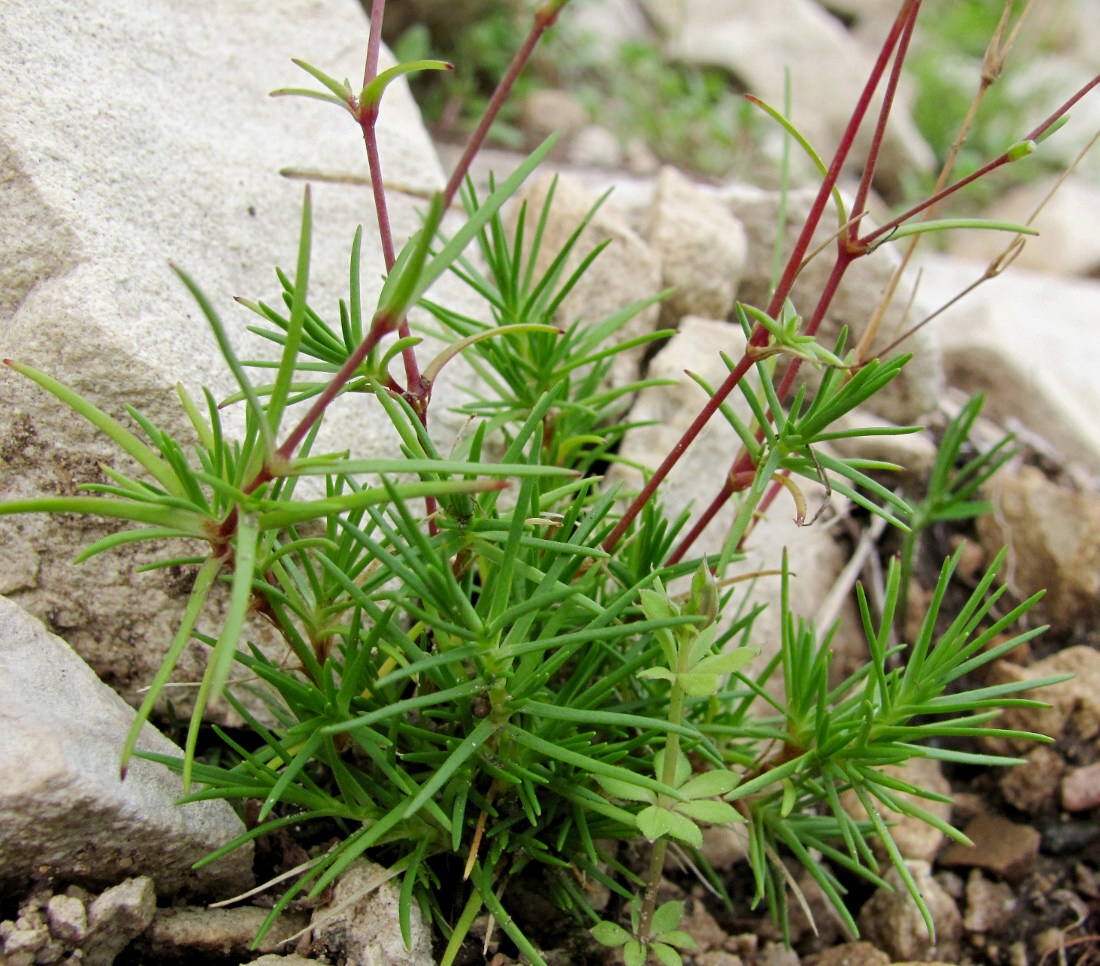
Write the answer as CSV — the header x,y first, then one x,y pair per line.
x,y
103,183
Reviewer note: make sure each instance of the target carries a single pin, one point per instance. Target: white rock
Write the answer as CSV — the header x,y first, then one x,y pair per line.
x,y
913,452
758,42
1042,85
63,808
68,919
915,838
701,247
605,26
361,924
1030,343
891,920
136,133
551,111
117,917
1068,244
596,147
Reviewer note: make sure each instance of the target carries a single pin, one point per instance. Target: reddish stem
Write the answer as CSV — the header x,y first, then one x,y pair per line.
x,y
903,24
367,116
545,17
997,162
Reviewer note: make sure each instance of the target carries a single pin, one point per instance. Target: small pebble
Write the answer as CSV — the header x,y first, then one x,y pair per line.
x,y
1081,789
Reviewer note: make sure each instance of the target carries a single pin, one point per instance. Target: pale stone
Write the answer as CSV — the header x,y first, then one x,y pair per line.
x,y
626,271
595,146
892,921
989,905
917,390
915,838
1006,848
1049,531
1070,708
117,917
195,931
815,559
137,133
702,249
361,924
68,919
550,111
64,810
1030,343
1068,243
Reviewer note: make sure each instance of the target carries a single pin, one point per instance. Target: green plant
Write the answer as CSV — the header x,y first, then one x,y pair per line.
x,y
484,687
952,488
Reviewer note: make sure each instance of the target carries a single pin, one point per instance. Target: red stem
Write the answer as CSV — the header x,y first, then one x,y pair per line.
x,y
997,162
545,17
902,25
367,115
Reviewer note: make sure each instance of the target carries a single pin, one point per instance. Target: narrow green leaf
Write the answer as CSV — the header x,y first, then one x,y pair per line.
x,y
371,95
291,347
222,337
950,224
153,464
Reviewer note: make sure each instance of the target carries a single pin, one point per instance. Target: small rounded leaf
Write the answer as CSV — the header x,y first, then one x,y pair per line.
x,y
610,934
667,917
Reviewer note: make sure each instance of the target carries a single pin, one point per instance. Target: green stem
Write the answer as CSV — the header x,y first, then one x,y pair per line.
x,y
668,777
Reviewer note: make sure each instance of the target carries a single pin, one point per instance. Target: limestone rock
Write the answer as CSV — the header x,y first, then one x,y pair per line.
x,y
1073,714
596,147
814,556
1081,789
68,919
1049,531
134,134
197,932
853,954
914,838
361,925
117,917
989,905
702,249
892,921
551,111
63,807
1033,786
1029,342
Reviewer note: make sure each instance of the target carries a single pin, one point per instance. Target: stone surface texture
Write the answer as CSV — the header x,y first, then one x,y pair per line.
x,y
1050,532
360,922
919,387
626,271
892,921
63,807
1001,846
814,555
117,917
702,249
1030,343
1071,711
1068,242
914,838
198,932
136,134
